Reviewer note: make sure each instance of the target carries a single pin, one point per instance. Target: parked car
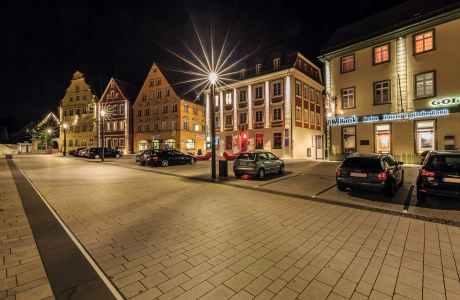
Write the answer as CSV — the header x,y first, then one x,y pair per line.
x,y
76,152
439,175
374,172
141,156
169,157
108,152
258,164
82,152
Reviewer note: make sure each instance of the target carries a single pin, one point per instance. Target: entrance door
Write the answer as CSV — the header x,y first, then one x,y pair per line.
x,y
243,142
383,139
109,143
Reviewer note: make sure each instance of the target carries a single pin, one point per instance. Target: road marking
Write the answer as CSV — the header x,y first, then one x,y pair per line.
x,y
409,195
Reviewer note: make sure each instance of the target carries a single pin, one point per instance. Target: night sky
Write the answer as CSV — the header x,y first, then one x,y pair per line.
x,y
45,42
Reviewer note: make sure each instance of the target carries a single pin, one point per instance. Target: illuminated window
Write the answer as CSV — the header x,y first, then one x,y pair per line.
x,y
91,109
276,63
195,111
228,98
424,41
259,141
381,54
347,63
425,84
348,98
277,143
382,92
122,109
228,142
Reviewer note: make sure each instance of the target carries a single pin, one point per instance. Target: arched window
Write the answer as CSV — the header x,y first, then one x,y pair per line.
x,y
142,145
170,144
156,144
189,144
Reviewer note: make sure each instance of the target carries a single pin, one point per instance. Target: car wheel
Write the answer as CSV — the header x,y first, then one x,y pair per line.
x,y
341,188
117,155
391,188
281,170
97,156
421,196
261,173
192,161
402,179
143,163
164,163
238,175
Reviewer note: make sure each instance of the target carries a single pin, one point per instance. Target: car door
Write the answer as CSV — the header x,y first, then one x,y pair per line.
x,y
263,157
170,157
395,168
274,162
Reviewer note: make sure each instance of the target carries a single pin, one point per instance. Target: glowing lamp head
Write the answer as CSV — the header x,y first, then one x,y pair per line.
x,y
102,112
213,77
49,131
65,125
244,135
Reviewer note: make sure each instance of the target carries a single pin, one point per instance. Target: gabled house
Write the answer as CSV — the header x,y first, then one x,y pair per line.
x,y
116,101
166,115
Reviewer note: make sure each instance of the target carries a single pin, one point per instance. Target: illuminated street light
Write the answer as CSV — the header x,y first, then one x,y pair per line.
x,y
49,139
213,80
102,114
65,141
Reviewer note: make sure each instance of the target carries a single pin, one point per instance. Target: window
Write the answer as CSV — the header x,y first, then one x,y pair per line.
x,y
70,143
277,114
139,127
77,98
166,92
77,143
77,128
158,94
259,141
298,113
276,63
258,68
116,110
277,89
348,63
83,127
139,112
91,142
228,98
305,115
112,94
151,96
155,126
259,116
297,89
174,125
84,96
83,110
228,120
147,111
71,112
312,91
151,82
91,127
158,81
70,128
203,113
424,41
189,144
111,84
312,117
186,109
228,142
122,125
305,91
217,101
185,125
258,93
217,121
277,140
242,118
144,96
114,126
203,128
164,125
77,111
64,113
382,92
381,54
71,99
317,98
195,111
155,110
318,119
348,98
164,109
242,73
154,69
243,96
122,142
122,109
83,142
425,84
91,109
174,107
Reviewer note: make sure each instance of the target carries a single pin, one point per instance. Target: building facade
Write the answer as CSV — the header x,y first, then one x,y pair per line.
x,y
78,114
274,103
391,82
116,102
163,116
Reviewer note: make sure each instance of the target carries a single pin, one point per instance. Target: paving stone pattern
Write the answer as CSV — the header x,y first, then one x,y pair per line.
x,y
163,237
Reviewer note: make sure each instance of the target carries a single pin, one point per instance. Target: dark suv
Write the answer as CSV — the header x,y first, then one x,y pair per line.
x,y
374,172
439,175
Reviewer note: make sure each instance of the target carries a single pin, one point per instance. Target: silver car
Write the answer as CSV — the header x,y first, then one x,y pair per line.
x,y
257,163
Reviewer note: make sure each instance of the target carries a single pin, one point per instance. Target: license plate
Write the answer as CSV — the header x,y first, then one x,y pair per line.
x,y
243,164
447,179
353,174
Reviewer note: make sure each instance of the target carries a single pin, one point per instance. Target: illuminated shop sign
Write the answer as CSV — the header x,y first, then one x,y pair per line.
x,y
446,101
390,117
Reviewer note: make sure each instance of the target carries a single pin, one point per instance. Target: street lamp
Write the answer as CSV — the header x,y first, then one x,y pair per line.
x,y
48,143
213,79
102,114
65,141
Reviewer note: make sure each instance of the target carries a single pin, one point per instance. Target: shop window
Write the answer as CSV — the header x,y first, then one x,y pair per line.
x,y
382,92
381,54
425,85
277,140
170,144
228,142
189,144
348,98
383,138
349,139
156,144
424,41
259,141
425,136
347,63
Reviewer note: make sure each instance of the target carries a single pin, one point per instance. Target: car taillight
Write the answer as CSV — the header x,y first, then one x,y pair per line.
x,y
424,172
382,176
337,172
254,165
153,157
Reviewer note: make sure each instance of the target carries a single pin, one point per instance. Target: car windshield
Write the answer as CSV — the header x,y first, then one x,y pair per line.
x,y
444,162
247,156
361,163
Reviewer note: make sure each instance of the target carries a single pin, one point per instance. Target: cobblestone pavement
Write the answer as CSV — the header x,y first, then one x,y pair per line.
x,y
165,237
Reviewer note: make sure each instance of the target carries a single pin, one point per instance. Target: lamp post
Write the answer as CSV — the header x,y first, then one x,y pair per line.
x,y
102,133
48,143
65,140
213,79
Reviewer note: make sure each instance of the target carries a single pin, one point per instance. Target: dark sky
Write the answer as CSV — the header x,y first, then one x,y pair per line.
x,y
45,42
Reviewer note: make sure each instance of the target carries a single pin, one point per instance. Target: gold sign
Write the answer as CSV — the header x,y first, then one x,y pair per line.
x,y
277,124
228,128
257,126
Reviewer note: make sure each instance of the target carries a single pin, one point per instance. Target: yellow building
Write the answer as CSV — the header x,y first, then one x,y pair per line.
x,y
391,82
165,116
77,114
